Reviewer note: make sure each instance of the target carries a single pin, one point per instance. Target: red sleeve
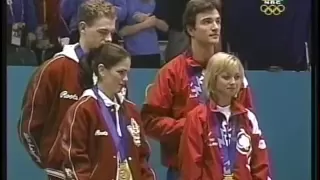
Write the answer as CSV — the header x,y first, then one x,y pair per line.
x,y
260,167
245,96
36,105
191,147
74,142
156,111
147,172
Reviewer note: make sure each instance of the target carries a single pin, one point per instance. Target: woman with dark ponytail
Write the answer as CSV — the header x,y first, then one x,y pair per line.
x,y
103,129
88,76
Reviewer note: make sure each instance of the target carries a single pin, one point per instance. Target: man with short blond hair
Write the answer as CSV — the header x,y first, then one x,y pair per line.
x,y
58,83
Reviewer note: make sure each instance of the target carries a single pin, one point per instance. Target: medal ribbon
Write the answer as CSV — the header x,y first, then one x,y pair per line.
x,y
120,142
79,52
227,145
9,3
195,73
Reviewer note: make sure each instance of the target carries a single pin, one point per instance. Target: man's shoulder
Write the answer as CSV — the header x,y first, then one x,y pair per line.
x,y
175,64
58,63
85,103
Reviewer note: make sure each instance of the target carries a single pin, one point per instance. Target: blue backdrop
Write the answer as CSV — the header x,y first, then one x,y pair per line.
x,y
283,103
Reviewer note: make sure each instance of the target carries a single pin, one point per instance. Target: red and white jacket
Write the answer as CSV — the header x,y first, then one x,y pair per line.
x,y
87,145
52,89
200,154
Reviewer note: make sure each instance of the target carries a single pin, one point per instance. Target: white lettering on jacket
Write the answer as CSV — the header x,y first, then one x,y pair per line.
x,y
66,95
101,133
32,147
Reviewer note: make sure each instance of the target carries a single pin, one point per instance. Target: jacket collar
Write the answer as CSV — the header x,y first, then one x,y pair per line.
x,y
236,108
107,101
190,61
70,52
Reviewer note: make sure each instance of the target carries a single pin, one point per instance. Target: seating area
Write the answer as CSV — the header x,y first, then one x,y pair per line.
x,y
21,56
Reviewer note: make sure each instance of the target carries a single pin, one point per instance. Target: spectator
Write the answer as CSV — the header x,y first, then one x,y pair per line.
x,y
221,127
49,26
21,22
57,84
140,36
178,41
264,39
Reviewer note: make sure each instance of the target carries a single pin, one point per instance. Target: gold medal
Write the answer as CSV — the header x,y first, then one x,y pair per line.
x,y
228,177
124,172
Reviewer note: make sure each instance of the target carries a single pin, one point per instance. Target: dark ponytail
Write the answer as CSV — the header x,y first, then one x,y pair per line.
x,y
86,63
108,54
86,74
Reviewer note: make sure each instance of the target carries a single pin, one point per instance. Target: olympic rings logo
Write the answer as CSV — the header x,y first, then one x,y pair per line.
x,y
272,9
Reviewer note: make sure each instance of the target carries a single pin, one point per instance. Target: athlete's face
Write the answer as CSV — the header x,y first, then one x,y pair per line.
x,y
207,27
115,78
228,83
99,32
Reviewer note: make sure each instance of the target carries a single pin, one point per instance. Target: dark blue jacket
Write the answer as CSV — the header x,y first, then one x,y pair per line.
x,y
22,11
267,39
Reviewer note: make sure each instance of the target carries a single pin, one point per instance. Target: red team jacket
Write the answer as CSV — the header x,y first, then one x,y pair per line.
x,y
88,146
173,94
200,155
53,88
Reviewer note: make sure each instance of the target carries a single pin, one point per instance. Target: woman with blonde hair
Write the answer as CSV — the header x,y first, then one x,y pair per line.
x,y
221,139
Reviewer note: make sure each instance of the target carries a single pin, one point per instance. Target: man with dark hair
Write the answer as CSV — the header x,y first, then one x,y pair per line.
x,y
57,84
178,85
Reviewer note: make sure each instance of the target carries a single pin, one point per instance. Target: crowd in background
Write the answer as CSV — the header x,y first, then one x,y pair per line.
x,y
263,38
